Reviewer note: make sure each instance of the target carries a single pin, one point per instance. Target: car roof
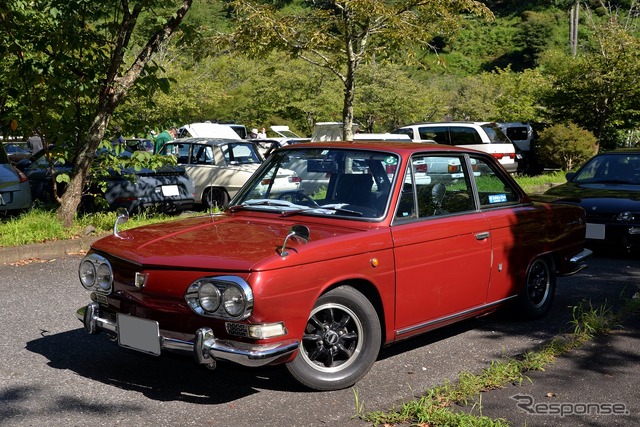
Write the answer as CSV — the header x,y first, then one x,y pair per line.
x,y
209,141
628,150
448,124
405,148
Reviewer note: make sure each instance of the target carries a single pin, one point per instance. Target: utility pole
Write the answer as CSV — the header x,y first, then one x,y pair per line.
x,y
573,27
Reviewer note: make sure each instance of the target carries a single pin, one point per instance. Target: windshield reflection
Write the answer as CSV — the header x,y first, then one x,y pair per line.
x,y
341,182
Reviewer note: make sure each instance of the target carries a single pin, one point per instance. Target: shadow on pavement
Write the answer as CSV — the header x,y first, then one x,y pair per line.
x,y
165,378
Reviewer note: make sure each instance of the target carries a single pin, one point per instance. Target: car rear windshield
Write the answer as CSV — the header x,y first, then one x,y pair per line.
x,y
495,134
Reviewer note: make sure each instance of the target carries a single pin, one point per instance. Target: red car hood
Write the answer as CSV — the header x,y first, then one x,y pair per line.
x,y
237,243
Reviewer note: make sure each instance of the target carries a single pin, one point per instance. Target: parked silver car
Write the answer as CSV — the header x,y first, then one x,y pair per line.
x,y
15,193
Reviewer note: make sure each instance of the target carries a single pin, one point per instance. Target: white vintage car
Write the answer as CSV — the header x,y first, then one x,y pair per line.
x,y
219,167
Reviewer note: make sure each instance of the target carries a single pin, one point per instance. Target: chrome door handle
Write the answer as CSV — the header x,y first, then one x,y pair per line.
x,y
483,236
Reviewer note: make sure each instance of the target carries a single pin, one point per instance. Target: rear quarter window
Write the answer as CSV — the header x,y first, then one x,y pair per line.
x,y
464,136
440,135
493,190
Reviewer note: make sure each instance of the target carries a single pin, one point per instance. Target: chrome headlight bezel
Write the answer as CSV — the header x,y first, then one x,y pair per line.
x,y
95,274
235,301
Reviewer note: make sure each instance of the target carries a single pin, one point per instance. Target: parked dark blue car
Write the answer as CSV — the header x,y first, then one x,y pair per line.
x,y
167,189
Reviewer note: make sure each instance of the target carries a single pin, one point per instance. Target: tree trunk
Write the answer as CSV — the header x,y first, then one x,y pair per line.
x,y
72,196
347,113
111,95
349,96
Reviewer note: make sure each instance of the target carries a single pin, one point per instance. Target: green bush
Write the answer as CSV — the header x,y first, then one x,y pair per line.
x,y
566,145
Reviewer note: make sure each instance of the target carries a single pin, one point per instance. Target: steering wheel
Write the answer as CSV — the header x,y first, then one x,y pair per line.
x,y
298,198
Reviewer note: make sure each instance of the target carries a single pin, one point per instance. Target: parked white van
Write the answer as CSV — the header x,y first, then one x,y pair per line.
x,y
481,136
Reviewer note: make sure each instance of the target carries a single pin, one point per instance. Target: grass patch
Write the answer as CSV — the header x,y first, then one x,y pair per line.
x,y
540,183
434,408
41,225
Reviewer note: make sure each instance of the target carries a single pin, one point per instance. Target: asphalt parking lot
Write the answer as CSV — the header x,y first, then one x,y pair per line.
x,y
54,373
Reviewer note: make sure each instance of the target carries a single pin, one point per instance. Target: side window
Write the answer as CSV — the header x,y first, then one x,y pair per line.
x,y
435,186
181,151
240,154
464,136
439,134
407,205
202,155
493,189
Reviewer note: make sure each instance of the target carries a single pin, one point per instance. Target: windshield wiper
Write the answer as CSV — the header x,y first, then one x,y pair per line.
x,y
327,208
242,206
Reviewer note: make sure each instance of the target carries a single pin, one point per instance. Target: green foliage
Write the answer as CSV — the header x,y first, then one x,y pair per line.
x,y
566,145
34,226
538,32
340,35
600,88
388,98
501,95
589,321
65,62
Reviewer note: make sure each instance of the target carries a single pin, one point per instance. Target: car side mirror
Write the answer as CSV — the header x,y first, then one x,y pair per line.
x,y
122,216
298,231
570,176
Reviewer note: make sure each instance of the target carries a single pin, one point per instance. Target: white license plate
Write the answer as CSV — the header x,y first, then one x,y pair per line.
x,y
170,190
595,231
138,334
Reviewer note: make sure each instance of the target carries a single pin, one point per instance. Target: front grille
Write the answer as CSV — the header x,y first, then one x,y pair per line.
x,y
237,329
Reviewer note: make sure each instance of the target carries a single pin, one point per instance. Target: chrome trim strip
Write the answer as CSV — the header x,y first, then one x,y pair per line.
x,y
451,316
205,345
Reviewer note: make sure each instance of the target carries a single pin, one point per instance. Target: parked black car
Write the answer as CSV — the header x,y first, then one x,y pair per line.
x,y
167,189
608,189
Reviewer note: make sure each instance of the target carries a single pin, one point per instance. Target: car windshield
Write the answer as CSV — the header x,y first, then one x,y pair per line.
x,y
311,181
611,169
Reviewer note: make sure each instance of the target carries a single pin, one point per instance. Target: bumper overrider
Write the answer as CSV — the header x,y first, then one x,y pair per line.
x,y
577,263
205,347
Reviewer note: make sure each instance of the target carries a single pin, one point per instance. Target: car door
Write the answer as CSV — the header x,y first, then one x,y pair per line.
x,y
442,245
516,225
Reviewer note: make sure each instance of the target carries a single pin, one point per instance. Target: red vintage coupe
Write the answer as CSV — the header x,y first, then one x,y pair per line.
x,y
381,241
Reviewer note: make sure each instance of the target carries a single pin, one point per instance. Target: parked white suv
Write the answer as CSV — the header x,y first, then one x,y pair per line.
x,y
481,136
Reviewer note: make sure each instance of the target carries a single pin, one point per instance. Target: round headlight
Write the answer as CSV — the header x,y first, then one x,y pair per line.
x,y
209,297
233,301
103,277
87,274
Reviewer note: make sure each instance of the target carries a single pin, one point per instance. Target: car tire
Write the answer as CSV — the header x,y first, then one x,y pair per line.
x,y
539,289
340,343
215,198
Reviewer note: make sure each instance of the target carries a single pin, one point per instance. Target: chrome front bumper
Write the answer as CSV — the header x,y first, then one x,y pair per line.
x,y
576,263
206,348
